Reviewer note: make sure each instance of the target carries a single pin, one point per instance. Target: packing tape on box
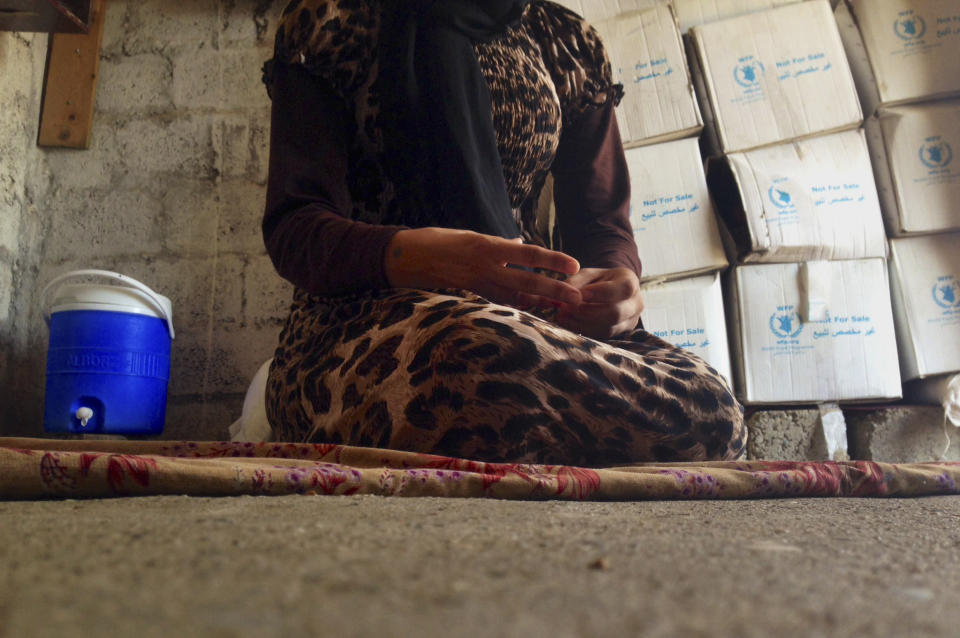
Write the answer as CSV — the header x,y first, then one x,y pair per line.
x,y
815,281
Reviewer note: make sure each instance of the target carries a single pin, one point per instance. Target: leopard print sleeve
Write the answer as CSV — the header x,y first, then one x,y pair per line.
x,y
577,60
332,39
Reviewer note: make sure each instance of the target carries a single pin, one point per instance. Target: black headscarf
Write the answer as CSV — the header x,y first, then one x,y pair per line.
x,y
438,129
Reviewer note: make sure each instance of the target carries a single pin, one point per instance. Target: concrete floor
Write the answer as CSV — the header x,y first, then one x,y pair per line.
x,y
369,566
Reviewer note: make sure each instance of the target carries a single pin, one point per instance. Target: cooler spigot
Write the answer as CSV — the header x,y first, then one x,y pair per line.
x,y
84,415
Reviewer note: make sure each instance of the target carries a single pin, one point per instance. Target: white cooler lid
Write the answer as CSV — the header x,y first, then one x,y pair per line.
x,y
109,298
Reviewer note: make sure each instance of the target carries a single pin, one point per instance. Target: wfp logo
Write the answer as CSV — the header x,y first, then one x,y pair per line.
x,y
946,293
786,324
936,153
780,197
910,27
748,73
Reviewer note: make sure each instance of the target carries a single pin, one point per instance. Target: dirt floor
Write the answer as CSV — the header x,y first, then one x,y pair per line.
x,y
370,566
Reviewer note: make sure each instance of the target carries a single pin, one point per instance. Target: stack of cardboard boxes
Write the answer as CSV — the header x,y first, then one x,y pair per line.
x,y
771,95
808,300
672,214
904,55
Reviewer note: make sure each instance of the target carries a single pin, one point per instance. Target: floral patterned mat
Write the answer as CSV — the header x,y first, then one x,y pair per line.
x,y
45,468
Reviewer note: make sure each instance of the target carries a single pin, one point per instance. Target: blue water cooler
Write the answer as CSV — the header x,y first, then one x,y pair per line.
x,y
108,363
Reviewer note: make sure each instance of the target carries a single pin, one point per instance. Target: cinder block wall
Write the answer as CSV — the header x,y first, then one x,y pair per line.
x,y
21,68
170,192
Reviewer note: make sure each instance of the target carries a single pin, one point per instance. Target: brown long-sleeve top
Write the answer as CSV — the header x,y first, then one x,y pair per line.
x,y
315,244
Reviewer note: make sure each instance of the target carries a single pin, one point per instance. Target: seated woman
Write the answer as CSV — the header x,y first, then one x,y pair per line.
x,y
410,143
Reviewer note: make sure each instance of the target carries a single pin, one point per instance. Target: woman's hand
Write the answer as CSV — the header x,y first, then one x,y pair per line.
x,y
448,258
612,302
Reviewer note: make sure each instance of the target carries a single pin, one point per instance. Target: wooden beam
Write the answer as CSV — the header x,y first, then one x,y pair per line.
x,y
51,16
70,85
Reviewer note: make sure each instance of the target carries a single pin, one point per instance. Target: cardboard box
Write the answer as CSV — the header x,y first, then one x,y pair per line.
x,y
925,286
914,150
857,58
776,75
672,215
813,333
597,10
807,199
709,140
913,47
647,57
689,313
691,13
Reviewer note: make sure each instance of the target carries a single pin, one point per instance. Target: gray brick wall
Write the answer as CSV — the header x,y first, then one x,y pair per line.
x,y
170,192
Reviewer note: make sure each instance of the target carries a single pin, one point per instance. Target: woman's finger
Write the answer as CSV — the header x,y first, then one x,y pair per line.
x,y
614,285
537,257
607,292
509,297
538,285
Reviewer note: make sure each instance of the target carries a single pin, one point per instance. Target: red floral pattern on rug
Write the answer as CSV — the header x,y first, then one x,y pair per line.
x,y
38,468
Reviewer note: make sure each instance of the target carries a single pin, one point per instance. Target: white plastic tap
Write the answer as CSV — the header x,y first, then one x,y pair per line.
x,y
84,415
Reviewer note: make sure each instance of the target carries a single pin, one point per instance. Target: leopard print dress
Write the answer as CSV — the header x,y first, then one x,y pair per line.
x,y
449,372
